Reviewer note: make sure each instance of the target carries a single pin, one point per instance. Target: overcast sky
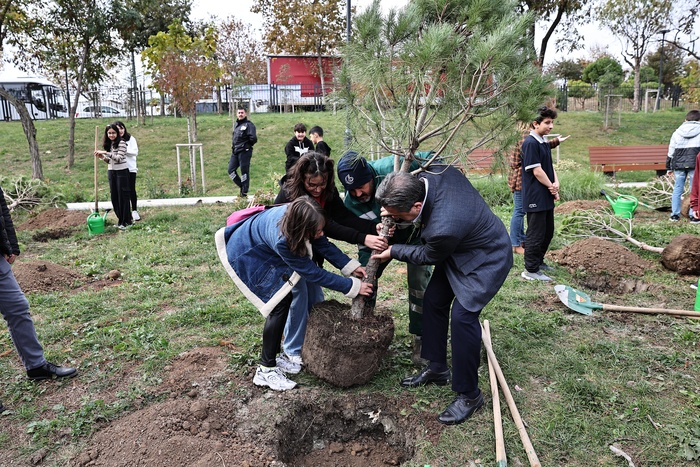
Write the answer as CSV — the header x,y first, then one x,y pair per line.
x,y
240,9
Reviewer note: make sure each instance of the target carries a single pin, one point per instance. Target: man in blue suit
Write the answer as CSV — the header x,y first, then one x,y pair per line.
x,y
470,250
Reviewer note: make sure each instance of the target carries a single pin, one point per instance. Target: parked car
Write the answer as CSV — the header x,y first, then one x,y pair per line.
x,y
96,111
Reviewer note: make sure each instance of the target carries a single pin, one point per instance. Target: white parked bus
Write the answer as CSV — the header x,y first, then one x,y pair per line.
x,y
43,99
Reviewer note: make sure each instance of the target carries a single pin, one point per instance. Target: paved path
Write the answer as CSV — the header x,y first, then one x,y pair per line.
x,y
149,203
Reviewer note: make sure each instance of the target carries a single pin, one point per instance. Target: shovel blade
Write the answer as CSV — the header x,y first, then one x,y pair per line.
x,y
574,299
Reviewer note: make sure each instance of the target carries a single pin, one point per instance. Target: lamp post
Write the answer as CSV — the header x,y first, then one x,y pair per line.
x,y
661,66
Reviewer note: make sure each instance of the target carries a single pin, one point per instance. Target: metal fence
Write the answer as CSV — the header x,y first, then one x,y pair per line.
x,y
621,99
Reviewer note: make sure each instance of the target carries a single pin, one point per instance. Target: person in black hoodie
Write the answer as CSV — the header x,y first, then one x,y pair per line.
x,y
15,308
297,147
244,138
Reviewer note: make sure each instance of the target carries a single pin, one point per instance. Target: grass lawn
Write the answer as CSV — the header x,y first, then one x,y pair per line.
x,y
581,383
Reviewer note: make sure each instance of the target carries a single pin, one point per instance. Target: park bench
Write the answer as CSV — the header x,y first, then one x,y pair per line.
x,y
611,159
481,160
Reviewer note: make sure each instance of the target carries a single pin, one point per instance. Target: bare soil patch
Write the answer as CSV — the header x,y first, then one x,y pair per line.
x,y
197,426
581,205
604,265
55,218
44,276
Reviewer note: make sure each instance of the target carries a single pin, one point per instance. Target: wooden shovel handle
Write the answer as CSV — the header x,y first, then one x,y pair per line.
x,y
524,438
497,420
652,311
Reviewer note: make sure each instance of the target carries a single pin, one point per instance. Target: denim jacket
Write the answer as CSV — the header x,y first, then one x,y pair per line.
x,y
256,256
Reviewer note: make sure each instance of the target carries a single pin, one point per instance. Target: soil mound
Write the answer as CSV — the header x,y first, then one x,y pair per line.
x,y
604,265
581,205
343,351
55,218
43,276
196,427
683,254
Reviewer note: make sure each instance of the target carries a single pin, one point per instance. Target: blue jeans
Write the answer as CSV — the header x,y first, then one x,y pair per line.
x,y
517,220
15,309
304,296
680,176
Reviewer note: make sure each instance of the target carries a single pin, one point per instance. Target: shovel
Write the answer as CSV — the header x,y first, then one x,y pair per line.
x,y
582,303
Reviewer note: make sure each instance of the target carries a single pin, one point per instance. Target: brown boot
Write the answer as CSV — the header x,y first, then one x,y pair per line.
x,y
417,347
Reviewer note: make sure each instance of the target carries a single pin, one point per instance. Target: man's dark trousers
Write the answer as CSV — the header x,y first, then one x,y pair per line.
x,y
242,160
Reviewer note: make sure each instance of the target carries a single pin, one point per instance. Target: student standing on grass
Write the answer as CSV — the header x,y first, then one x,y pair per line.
x,y
270,253
313,176
297,147
540,190
682,152
15,308
316,137
114,153
515,183
244,138
470,250
694,195
132,151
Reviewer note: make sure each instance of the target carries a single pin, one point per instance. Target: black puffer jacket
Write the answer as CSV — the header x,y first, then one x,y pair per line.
x,y
8,237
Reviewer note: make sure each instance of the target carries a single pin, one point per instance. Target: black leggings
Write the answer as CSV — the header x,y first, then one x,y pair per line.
x,y
132,185
120,194
273,330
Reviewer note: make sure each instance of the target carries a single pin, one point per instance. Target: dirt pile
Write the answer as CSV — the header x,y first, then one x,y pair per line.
x,y
604,265
581,205
196,427
43,276
55,218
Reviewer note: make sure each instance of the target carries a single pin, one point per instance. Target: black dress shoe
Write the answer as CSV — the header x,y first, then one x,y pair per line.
x,y
461,409
427,376
49,370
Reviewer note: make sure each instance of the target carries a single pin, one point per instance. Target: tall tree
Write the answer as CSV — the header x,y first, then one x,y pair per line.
x,y
13,22
184,67
141,19
567,69
635,23
303,27
673,63
73,37
240,54
445,76
555,13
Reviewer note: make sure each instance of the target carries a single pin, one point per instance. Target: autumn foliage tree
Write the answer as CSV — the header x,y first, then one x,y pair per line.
x,y
184,67
240,55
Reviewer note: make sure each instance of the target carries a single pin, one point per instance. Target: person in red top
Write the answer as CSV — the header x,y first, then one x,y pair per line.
x,y
694,213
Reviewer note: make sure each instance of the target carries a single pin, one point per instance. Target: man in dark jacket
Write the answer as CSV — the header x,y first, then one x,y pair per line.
x,y
15,308
244,138
470,250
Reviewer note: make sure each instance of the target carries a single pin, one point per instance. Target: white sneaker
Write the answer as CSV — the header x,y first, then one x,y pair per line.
x,y
135,215
290,363
273,378
535,276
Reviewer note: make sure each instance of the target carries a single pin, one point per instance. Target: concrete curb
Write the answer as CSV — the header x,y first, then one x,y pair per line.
x,y
152,203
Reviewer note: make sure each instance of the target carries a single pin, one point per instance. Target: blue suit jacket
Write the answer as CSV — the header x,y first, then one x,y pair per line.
x,y
460,233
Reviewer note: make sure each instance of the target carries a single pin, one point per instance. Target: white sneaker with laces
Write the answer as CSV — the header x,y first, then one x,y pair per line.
x,y
135,215
535,276
273,378
290,363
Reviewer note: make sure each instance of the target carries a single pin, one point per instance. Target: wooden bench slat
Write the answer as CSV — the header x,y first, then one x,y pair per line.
x,y
627,158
